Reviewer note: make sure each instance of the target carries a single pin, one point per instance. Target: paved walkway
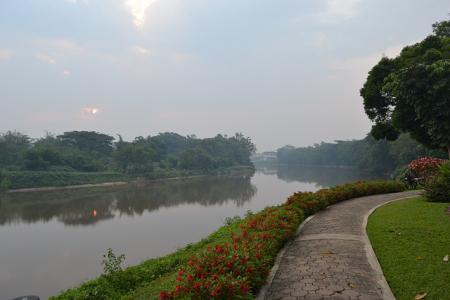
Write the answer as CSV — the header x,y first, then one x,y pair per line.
x,y
331,256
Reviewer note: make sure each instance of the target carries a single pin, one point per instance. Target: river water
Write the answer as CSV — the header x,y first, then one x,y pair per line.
x,y
50,241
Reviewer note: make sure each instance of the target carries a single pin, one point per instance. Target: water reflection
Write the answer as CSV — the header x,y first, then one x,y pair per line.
x,y
321,176
88,207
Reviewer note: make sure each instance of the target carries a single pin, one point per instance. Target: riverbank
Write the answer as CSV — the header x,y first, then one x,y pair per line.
x,y
24,181
256,239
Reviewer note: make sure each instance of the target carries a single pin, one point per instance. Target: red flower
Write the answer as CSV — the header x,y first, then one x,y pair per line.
x,y
197,285
244,288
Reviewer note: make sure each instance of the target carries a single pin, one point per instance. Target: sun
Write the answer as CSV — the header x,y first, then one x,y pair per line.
x,y
138,9
91,110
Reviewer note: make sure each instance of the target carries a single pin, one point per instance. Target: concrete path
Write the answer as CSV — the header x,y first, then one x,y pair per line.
x,y
331,256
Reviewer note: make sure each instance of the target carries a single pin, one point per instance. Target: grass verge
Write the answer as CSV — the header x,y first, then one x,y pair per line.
x,y
410,238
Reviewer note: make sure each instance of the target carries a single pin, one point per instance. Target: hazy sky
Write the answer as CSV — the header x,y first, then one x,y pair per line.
x,y
282,72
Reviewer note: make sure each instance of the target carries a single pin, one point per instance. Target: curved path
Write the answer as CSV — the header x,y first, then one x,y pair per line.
x,y
331,256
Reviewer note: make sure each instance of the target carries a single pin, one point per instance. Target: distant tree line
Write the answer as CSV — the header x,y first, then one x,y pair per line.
x,y
87,151
378,156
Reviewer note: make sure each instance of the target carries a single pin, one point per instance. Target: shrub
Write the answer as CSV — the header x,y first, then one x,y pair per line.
x,y
112,263
426,167
438,189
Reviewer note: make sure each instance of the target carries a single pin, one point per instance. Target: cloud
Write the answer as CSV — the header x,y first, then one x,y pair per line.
x,y
60,45
141,50
66,72
5,54
52,51
138,9
339,10
46,58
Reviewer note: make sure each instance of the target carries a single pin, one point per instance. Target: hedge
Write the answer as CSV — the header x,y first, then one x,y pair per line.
x,y
232,263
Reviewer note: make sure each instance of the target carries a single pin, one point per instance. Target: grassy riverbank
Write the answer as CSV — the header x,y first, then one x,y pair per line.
x,y
232,262
14,180
410,238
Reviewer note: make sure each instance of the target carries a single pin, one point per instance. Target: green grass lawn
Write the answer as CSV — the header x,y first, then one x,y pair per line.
x,y
410,238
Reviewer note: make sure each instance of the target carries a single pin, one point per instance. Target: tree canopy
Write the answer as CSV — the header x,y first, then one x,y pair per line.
x,y
411,93
88,151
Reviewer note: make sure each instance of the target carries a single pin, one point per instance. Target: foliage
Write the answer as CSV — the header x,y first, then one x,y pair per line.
x,y
410,238
192,159
112,263
438,189
375,156
134,157
12,146
410,93
426,167
235,269
164,155
233,262
313,202
88,141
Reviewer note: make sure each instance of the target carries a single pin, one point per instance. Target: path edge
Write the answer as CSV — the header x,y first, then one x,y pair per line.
x,y
371,256
263,290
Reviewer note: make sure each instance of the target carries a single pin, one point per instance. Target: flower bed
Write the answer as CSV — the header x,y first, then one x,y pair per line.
x,y
236,269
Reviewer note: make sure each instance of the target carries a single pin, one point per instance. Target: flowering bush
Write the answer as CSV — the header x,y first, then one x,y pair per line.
x,y
235,270
313,202
426,167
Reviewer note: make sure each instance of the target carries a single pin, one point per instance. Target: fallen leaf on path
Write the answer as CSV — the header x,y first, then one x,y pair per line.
x,y
445,258
420,296
351,285
327,253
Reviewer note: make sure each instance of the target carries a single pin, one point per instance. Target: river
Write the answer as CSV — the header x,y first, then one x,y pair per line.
x,y
50,241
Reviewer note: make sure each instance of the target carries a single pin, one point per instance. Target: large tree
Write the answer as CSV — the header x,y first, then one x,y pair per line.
x,y
88,141
411,93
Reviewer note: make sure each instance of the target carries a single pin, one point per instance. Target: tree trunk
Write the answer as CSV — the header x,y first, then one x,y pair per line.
x,y
448,149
